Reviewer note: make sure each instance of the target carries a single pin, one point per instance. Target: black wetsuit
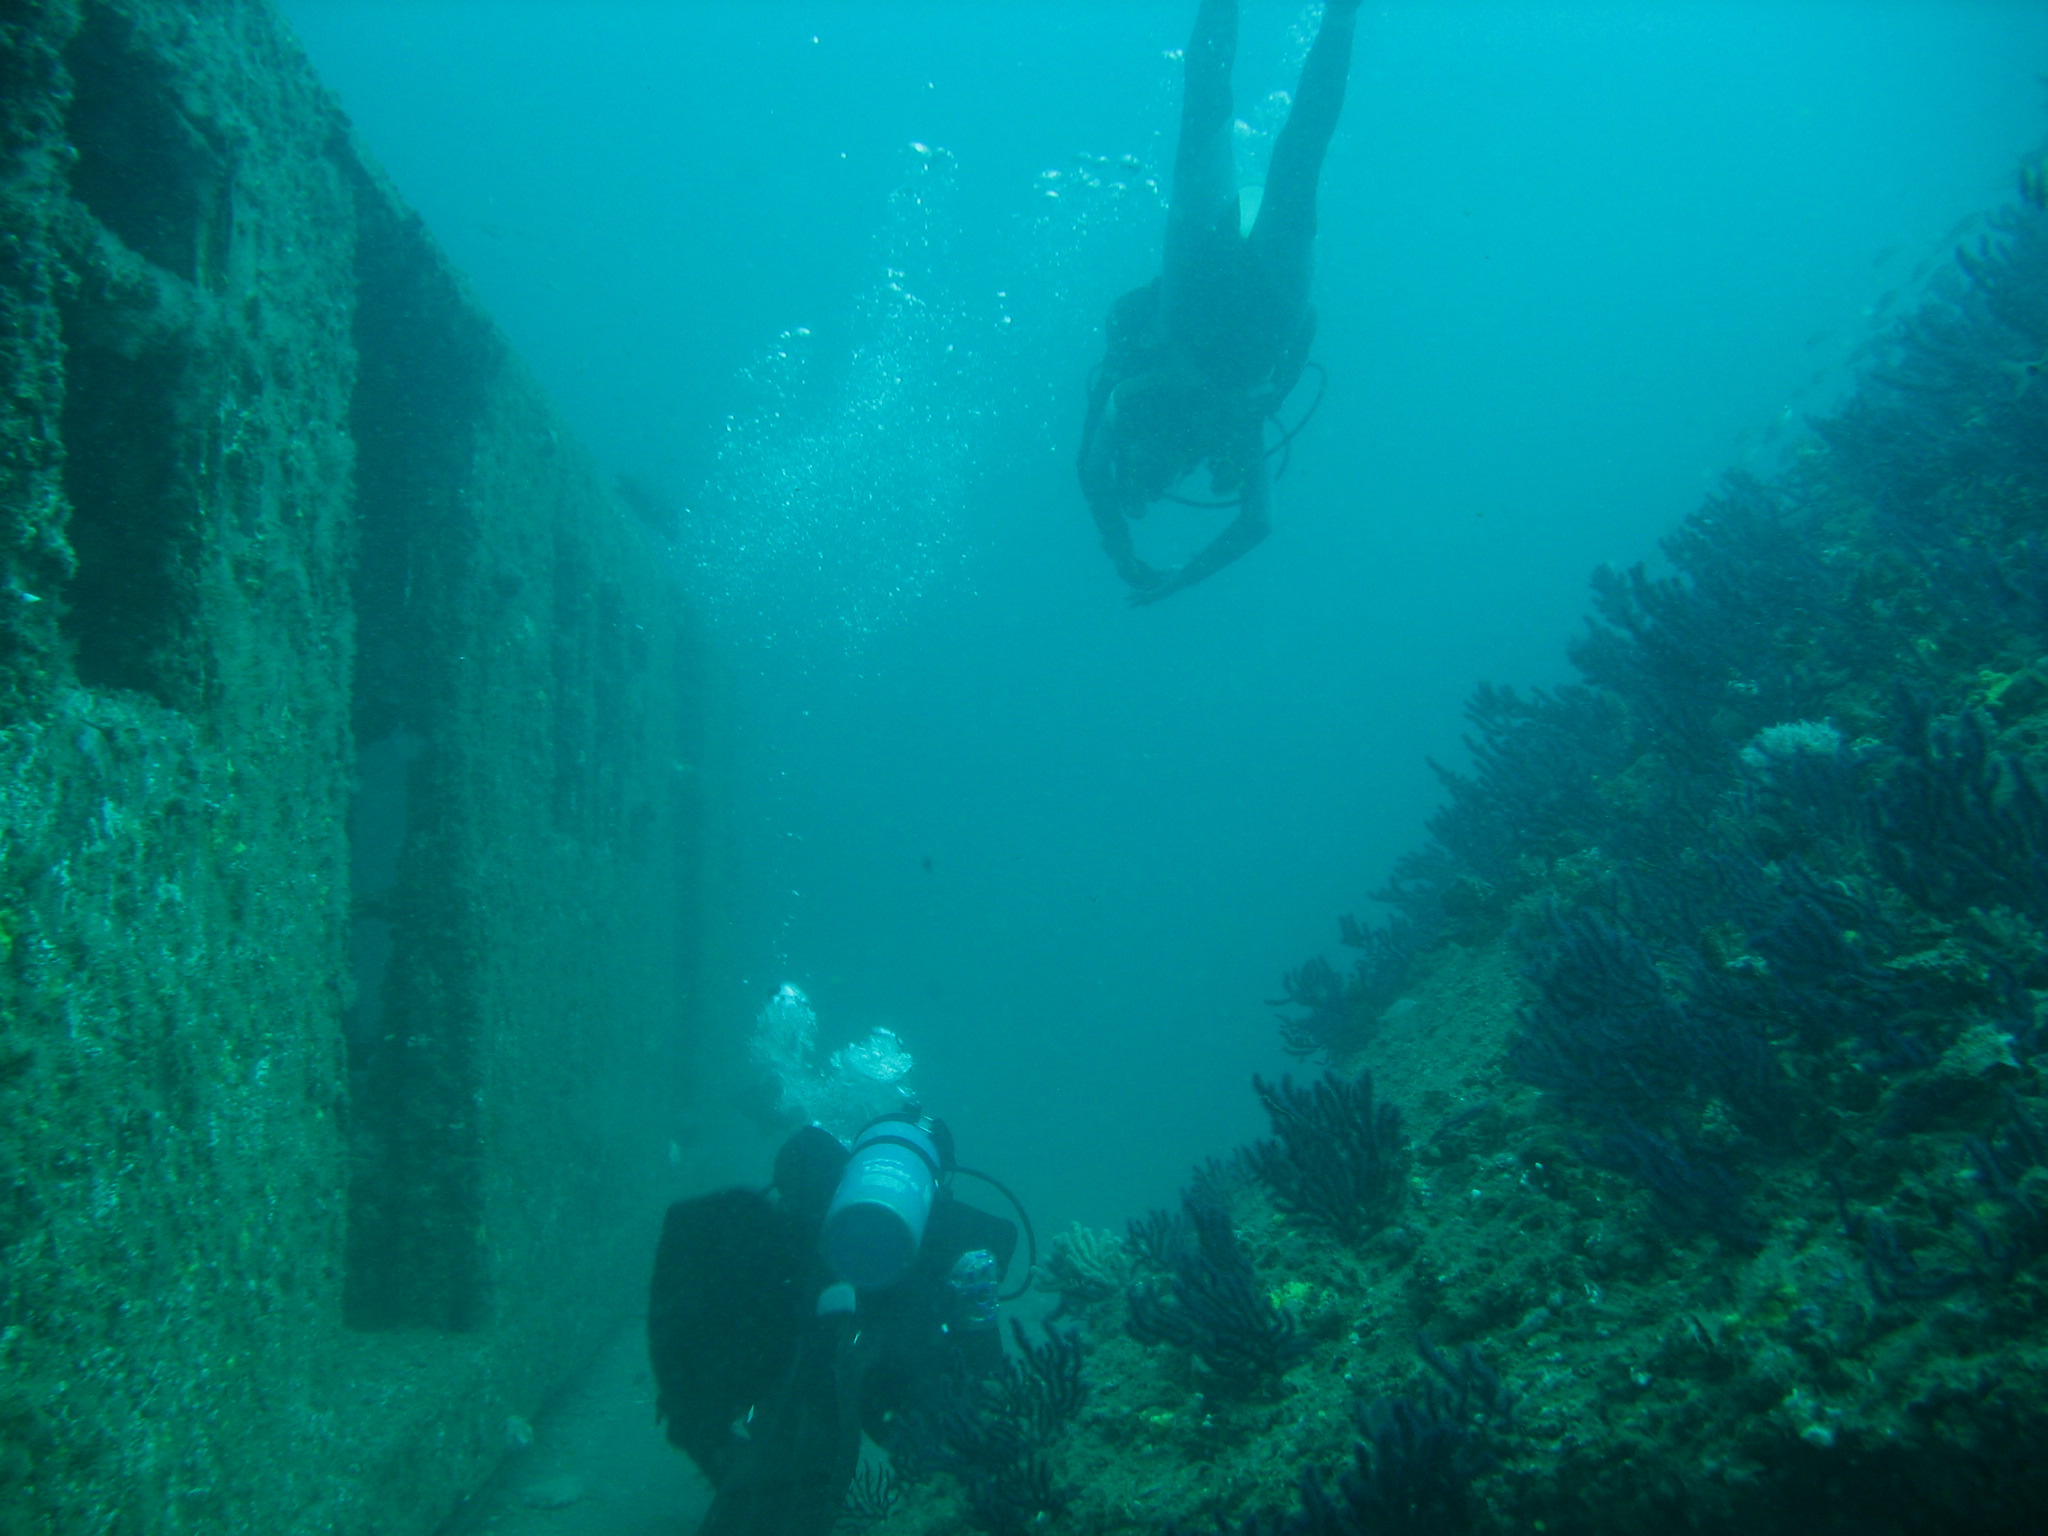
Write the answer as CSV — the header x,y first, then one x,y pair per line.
x,y
1197,359
736,1338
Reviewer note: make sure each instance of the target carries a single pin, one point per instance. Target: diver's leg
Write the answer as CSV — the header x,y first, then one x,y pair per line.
x,y
1204,172
1283,239
1212,47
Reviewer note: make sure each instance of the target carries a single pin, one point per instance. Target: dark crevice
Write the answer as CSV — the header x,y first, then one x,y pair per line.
x,y
156,193
415,1247
596,656
569,691
132,525
143,167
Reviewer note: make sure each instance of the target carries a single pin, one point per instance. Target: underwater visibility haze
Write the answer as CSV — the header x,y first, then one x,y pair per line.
x,y
1575,262
1480,1051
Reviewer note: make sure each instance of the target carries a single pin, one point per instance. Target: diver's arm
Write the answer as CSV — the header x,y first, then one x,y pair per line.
x,y
1115,529
1245,534
1105,498
791,1473
1128,337
1086,462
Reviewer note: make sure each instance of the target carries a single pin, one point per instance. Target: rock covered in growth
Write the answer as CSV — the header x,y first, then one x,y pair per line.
x,y
1727,1064
1775,876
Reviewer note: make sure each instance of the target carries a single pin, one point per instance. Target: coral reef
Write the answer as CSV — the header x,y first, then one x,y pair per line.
x,y
1722,1028
1340,1009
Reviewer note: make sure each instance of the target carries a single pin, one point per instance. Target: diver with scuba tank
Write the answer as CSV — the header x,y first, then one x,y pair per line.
x,y
1201,358
785,1323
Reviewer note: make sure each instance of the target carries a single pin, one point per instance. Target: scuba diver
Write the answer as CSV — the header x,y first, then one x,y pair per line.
x,y
852,1293
1200,358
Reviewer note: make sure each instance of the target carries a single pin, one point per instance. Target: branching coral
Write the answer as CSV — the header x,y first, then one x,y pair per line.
x,y
1959,824
1339,1009
1691,1190
1086,1266
1213,1307
992,1435
1158,1237
1538,762
1040,1388
1339,1159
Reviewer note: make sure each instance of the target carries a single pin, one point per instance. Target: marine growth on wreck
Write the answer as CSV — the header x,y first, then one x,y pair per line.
x,y
405,808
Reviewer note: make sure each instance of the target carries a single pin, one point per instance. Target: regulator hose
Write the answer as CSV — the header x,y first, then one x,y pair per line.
x,y
1285,444
1030,1236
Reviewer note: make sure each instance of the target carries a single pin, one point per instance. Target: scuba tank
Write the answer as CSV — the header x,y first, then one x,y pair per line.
x,y
875,1223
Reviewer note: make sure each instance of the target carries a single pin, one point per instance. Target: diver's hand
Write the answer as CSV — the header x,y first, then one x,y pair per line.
x,y
1169,582
1138,576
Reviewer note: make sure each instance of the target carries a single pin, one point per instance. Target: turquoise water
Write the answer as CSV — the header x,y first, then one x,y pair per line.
x,y
827,280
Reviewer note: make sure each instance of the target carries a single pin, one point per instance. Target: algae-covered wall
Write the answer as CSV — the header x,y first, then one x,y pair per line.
x,y
348,811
